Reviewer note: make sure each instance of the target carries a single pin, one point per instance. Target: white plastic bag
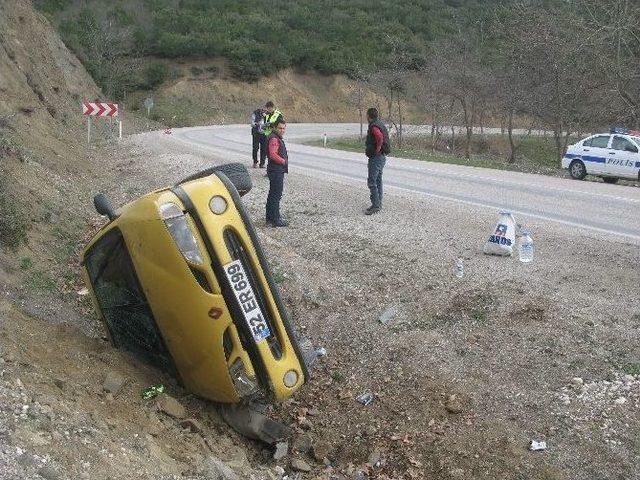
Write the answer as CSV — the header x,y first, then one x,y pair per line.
x,y
503,238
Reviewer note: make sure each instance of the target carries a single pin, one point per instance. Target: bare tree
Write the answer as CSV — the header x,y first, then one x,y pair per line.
x,y
430,95
547,74
358,94
464,80
614,26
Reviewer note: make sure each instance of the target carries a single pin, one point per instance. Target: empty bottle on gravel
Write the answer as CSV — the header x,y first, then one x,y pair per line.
x,y
459,268
526,247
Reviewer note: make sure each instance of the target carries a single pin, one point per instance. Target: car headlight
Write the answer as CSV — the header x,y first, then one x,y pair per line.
x,y
218,205
178,227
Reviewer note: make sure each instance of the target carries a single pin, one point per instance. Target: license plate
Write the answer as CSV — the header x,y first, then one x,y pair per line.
x,y
247,300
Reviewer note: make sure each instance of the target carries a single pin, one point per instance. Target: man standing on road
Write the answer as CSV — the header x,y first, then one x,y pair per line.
x,y
258,136
376,147
272,115
276,168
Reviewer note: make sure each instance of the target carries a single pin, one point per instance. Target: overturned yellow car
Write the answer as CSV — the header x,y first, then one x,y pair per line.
x,y
179,278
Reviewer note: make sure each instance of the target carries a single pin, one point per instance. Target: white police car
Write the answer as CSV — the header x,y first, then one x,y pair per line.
x,y
611,156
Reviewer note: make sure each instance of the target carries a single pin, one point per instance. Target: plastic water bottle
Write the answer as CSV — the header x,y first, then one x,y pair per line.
x,y
526,247
459,268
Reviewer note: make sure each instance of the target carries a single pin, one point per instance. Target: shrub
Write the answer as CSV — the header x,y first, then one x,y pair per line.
x,y
155,74
196,71
13,224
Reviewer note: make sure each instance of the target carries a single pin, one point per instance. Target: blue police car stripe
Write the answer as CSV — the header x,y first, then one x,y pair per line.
x,y
587,158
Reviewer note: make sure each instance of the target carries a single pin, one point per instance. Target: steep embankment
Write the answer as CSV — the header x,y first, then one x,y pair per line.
x,y
41,86
205,92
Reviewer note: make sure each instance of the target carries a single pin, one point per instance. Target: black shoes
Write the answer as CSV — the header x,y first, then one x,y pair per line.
x,y
277,223
371,210
255,164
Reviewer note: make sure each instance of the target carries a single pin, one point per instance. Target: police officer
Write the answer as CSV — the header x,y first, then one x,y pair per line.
x,y
258,136
272,115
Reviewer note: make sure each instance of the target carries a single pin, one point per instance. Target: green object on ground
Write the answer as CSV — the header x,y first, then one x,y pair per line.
x,y
152,391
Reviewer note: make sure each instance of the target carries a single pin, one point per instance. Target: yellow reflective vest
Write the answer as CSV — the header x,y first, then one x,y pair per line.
x,y
269,121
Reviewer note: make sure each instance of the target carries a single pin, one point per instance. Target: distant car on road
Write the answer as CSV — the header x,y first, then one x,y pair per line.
x,y
611,156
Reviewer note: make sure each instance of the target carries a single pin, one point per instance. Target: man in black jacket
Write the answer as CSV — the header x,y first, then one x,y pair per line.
x,y
259,138
277,167
376,147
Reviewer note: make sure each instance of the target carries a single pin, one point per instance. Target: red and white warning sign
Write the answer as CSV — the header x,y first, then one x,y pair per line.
x,y
100,109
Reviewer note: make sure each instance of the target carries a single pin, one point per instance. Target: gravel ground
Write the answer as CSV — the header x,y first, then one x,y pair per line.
x,y
464,373
500,346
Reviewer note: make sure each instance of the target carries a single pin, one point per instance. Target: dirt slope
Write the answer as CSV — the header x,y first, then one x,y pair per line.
x,y
211,95
41,86
42,83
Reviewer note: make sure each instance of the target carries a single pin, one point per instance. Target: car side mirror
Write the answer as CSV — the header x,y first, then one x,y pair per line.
x,y
104,207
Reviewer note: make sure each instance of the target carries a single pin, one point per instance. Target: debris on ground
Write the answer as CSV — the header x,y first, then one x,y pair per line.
x,y
374,458
320,450
169,405
365,398
250,422
113,382
388,315
300,465
537,446
282,449
152,392
192,425
453,404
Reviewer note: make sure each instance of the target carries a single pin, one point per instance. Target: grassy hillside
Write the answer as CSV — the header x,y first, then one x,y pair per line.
x,y
256,38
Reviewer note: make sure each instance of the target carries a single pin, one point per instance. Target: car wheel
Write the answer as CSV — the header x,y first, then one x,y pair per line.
x,y
577,170
237,173
609,179
239,176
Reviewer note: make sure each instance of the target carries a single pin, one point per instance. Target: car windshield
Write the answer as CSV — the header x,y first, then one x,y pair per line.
x,y
122,300
636,140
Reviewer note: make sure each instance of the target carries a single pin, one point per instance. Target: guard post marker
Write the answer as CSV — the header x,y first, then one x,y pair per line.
x,y
98,109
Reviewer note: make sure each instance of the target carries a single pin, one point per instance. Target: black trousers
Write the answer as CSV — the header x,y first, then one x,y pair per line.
x,y
259,143
276,186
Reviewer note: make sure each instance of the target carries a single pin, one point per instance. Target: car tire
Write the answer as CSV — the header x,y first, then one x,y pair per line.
x,y
237,173
577,170
610,179
239,176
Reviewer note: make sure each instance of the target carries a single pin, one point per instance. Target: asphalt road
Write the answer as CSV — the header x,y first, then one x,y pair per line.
x,y
609,209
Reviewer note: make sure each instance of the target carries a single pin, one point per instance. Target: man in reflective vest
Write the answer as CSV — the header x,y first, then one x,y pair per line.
x,y
276,168
271,117
377,146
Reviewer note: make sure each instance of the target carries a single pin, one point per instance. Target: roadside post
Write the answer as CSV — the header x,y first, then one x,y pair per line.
x,y
98,109
148,104
324,140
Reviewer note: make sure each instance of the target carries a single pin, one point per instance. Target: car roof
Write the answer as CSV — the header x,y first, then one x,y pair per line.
x,y
634,138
